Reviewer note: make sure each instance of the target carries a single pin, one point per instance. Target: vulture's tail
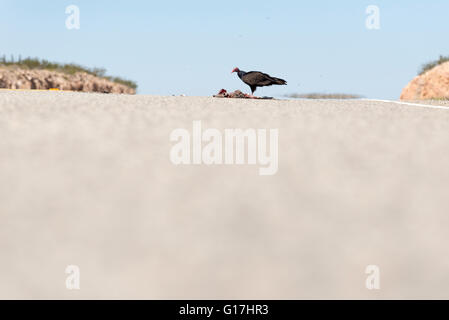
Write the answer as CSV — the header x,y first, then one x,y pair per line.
x,y
279,81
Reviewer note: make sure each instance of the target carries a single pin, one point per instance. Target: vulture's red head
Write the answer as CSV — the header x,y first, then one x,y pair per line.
x,y
235,70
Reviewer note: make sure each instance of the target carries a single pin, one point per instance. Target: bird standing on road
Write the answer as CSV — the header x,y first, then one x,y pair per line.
x,y
257,79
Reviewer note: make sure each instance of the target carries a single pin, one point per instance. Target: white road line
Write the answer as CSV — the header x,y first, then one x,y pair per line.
x,y
409,104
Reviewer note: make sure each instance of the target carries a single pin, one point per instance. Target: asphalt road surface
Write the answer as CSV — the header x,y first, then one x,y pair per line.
x,y
86,180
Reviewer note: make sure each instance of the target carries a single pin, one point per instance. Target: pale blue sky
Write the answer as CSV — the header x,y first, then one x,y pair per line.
x,y
190,47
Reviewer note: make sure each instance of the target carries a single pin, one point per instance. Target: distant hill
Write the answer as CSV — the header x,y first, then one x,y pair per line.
x,y
41,74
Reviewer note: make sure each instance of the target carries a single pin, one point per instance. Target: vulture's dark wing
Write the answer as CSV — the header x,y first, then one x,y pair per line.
x,y
260,79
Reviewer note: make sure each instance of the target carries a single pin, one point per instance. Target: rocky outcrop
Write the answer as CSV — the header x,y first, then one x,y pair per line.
x,y
433,84
16,78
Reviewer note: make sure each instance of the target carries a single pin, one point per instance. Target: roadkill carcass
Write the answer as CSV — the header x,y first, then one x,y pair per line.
x,y
237,94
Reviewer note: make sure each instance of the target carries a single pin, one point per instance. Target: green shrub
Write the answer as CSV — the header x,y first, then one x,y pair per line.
x,y
430,65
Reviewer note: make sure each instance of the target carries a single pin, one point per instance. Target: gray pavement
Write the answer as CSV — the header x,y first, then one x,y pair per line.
x,y
86,180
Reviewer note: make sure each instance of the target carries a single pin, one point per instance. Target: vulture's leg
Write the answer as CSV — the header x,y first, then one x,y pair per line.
x,y
253,89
